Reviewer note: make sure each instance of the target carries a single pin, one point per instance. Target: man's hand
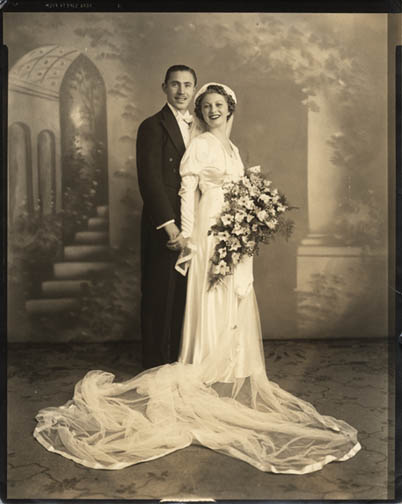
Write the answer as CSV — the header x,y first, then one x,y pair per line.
x,y
179,243
172,230
175,239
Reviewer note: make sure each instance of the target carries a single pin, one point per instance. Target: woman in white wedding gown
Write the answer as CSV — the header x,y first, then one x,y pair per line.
x,y
218,394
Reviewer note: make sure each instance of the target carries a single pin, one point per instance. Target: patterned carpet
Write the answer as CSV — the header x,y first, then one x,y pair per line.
x,y
345,378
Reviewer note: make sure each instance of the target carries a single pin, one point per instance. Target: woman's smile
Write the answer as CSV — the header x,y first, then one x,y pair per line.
x,y
214,109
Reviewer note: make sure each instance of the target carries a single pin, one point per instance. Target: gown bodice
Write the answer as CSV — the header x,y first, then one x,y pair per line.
x,y
206,166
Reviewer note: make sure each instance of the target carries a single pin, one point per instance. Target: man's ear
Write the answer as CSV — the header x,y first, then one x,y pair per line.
x,y
163,86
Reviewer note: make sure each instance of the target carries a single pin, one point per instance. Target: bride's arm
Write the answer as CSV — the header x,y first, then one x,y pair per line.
x,y
191,165
188,191
194,160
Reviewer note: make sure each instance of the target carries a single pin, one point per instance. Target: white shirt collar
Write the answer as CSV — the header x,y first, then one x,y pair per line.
x,y
186,116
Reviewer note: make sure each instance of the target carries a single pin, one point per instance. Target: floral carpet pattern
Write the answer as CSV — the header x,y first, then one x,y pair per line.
x,y
348,379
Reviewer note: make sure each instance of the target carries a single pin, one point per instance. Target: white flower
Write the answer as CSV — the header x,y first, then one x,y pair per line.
x,y
222,252
240,216
216,270
253,192
223,236
249,217
229,186
272,223
221,269
234,189
246,202
238,230
227,219
246,182
255,169
265,198
249,243
262,215
235,257
234,244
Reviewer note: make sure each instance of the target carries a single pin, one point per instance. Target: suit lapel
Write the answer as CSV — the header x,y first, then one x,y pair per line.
x,y
170,124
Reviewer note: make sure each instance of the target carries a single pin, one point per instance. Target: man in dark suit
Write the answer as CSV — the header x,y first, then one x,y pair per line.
x,y
161,142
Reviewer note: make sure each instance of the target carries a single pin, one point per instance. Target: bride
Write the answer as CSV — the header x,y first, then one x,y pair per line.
x,y
218,394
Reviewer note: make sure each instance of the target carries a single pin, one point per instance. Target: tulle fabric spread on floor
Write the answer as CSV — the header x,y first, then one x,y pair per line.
x,y
112,425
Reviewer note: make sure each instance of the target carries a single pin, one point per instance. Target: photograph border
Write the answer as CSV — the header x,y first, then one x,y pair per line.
x,y
394,185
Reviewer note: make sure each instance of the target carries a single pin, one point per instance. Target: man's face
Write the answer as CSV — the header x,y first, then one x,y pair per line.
x,y
179,89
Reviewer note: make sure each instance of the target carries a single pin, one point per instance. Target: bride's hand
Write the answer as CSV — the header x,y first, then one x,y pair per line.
x,y
178,243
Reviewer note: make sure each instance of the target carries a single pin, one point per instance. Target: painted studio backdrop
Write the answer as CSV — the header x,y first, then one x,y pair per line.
x,y
312,111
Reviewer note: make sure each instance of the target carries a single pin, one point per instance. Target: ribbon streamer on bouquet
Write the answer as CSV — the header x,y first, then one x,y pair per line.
x,y
183,262
243,277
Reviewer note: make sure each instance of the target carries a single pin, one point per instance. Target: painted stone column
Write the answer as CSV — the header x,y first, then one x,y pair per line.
x,y
333,281
324,179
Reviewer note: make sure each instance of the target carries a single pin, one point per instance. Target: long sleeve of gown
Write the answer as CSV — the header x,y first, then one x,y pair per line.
x,y
194,159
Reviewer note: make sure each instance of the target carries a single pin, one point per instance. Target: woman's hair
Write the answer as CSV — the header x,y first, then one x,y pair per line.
x,y
214,88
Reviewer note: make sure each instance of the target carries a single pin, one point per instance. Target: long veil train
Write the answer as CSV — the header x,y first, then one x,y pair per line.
x,y
109,425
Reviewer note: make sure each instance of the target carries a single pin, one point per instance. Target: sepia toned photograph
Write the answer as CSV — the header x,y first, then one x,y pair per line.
x,y
200,212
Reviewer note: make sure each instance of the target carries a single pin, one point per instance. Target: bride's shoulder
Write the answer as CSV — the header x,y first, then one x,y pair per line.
x,y
201,139
234,146
199,146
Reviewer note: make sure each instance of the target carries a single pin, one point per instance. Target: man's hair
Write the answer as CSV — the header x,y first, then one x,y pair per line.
x,y
180,68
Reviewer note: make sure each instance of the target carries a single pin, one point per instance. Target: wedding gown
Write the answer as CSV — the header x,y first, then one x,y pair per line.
x,y
218,394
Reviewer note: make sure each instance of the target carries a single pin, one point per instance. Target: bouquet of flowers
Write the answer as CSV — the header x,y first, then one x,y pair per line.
x,y
253,213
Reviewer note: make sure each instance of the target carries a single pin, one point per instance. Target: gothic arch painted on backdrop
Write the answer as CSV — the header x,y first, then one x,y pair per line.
x,y
84,135
20,170
46,171
60,90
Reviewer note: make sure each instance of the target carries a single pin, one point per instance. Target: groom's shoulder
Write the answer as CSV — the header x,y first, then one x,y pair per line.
x,y
153,120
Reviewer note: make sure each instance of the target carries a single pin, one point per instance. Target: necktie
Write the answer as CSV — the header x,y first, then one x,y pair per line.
x,y
187,118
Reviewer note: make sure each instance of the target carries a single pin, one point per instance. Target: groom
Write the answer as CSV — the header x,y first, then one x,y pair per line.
x,y
161,142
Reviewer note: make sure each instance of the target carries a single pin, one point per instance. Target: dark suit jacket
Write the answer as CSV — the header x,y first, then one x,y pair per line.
x,y
160,148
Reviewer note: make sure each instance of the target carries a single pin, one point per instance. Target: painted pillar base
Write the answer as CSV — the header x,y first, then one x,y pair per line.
x,y
341,292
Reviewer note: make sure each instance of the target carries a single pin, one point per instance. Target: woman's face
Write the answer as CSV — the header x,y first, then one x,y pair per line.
x,y
215,110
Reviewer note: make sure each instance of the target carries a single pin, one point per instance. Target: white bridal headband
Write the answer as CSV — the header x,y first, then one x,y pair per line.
x,y
229,91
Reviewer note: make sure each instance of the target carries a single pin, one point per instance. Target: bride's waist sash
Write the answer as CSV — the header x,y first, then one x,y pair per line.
x,y
208,188
212,180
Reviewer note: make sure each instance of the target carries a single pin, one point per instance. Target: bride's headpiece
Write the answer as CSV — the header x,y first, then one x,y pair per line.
x,y
227,89
198,126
